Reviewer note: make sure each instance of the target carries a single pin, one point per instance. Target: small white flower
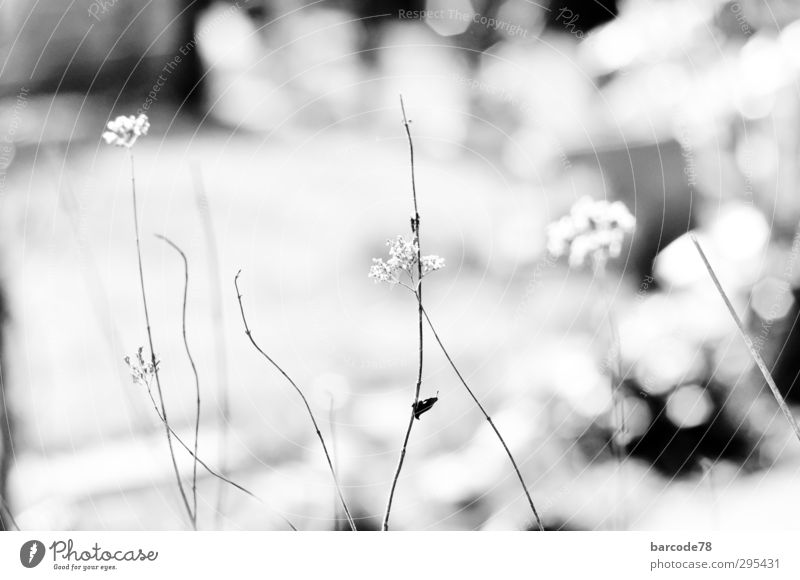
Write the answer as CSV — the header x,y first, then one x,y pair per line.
x,y
124,131
402,259
432,263
593,229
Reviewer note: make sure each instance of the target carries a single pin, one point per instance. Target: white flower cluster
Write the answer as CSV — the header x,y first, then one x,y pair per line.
x,y
592,228
402,258
124,131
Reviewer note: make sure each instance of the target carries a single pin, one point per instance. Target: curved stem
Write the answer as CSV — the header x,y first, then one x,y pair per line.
x,y
194,370
415,230
210,471
305,402
489,419
150,343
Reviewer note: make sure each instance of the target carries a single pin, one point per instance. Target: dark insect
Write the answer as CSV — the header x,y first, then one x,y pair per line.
x,y
425,405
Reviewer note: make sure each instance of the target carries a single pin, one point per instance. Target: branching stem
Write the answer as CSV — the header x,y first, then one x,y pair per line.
x,y
205,466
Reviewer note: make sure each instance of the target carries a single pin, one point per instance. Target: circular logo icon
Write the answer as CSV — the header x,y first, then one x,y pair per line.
x,y
31,553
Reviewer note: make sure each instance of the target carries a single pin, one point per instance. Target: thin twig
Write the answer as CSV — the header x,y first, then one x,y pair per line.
x,y
221,348
488,418
7,451
205,466
415,230
302,396
762,366
194,370
150,342
7,510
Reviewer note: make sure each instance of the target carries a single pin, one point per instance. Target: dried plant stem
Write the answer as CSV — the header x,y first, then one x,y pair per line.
x,y
194,371
215,283
302,396
205,466
150,343
489,419
762,366
415,230
6,445
6,517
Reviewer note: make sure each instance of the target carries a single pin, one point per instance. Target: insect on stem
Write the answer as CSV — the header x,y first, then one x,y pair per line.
x,y
415,229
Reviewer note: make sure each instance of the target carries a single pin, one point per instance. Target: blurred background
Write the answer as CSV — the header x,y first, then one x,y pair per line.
x,y
277,147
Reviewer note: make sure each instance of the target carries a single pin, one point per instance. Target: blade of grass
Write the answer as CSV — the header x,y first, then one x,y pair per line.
x,y
762,366
215,284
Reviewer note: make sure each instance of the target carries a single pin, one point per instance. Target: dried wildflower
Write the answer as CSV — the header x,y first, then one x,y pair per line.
x,y
402,259
142,372
592,228
124,131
